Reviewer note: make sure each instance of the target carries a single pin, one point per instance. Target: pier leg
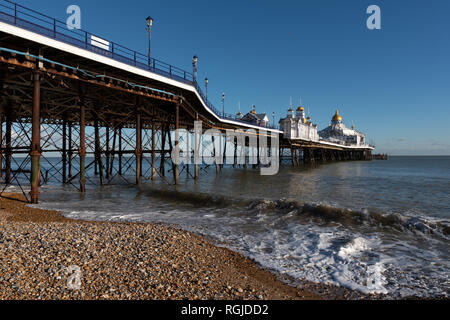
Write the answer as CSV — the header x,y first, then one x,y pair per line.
x,y
293,157
257,154
113,151
1,132
163,150
153,152
196,152
120,150
107,153
224,153
1,139
8,146
98,150
235,153
70,152
176,168
138,143
214,155
35,150
82,150
244,151
169,138
188,165
64,151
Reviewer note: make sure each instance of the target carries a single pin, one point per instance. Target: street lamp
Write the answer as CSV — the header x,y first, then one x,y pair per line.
x,y
206,85
273,117
194,65
223,104
149,30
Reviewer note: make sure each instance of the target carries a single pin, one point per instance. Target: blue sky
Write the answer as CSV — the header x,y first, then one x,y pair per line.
x,y
393,83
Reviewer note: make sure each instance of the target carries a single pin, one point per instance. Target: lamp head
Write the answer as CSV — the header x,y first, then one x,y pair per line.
x,y
149,21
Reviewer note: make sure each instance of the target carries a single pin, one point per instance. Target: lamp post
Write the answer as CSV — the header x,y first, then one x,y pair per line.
x,y
273,117
194,65
149,30
206,86
223,104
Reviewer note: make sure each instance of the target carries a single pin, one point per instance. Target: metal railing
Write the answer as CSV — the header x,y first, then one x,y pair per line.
x,y
25,18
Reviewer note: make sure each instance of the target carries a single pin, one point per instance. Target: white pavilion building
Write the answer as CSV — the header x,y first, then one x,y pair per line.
x,y
338,133
298,126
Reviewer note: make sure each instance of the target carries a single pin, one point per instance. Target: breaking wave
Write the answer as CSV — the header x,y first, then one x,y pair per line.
x,y
371,218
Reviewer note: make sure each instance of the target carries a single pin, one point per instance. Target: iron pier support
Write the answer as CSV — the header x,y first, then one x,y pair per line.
x,y
138,151
82,149
177,143
153,152
35,150
64,151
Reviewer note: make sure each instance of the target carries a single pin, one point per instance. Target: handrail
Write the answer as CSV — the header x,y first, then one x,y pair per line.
x,y
20,16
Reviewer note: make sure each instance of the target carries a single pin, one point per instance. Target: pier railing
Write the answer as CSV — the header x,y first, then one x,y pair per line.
x,y
29,19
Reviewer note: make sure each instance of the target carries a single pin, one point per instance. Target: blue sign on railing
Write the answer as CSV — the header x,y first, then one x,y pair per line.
x,y
20,16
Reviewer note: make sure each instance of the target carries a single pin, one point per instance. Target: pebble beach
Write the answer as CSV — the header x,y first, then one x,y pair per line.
x,y
41,250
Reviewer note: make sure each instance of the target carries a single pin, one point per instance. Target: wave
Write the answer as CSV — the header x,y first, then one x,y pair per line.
x,y
348,217
370,218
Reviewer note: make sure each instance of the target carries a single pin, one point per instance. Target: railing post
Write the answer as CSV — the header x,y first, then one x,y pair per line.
x,y
135,61
86,39
15,13
54,28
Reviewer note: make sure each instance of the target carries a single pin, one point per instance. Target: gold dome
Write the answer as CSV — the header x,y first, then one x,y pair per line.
x,y
300,109
337,117
253,111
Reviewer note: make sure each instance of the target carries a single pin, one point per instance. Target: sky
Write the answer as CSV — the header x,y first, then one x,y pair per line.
x,y
393,83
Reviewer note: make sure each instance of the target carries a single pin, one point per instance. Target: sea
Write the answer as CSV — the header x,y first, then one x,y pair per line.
x,y
380,227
